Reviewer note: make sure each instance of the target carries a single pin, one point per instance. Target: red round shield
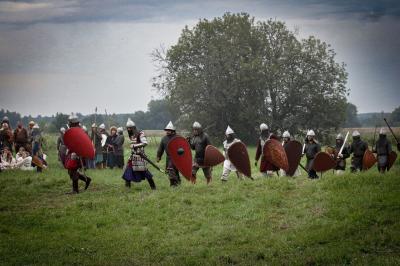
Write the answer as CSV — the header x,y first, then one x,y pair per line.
x,y
323,162
79,142
392,158
239,157
181,155
275,154
293,151
369,160
213,156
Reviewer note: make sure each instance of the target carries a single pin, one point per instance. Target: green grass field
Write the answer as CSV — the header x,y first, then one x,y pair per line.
x,y
349,219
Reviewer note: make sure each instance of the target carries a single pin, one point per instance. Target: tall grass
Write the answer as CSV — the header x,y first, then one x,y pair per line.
x,y
348,219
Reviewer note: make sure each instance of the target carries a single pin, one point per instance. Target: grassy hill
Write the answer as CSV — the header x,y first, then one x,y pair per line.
x,y
349,219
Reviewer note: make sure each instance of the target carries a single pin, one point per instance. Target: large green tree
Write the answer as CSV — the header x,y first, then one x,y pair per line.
x,y
351,116
233,70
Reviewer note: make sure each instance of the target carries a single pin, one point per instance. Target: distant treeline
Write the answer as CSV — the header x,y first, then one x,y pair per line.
x,y
159,113
156,117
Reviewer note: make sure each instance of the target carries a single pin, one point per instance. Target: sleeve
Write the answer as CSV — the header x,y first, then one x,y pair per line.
x,y
118,141
258,152
58,143
345,152
208,142
161,149
143,138
191,143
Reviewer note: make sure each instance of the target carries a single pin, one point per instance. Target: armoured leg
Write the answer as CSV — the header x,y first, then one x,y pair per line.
x,y
225,174
207,173
173,177
86,179
239,175
151,183
194,172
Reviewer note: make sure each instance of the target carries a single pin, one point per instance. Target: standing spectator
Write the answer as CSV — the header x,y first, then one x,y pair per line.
x,y
6,137
61,148
20,137
118,144
29,130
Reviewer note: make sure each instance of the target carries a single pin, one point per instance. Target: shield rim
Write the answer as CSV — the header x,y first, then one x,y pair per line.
x,y
172,158
245,148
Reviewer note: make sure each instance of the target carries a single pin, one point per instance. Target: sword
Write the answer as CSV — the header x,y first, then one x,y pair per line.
x,y
144,156
303,167
344,143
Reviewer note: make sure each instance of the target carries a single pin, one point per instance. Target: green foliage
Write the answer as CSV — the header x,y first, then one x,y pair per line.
x,y
351,116
395,117
60,120
234,71
349,219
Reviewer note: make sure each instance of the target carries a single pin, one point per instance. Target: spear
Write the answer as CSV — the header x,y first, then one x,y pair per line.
x,y
398,143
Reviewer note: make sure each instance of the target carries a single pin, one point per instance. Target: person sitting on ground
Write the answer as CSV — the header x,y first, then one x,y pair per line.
x,y
7,159
24,161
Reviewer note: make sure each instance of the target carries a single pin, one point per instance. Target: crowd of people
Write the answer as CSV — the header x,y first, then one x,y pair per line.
x,y
109,152
25,143
109,146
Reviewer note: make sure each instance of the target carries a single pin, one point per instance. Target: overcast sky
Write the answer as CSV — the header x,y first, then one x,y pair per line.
x,y
70,56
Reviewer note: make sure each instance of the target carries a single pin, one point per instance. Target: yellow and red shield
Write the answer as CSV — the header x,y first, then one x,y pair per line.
x,y
275,154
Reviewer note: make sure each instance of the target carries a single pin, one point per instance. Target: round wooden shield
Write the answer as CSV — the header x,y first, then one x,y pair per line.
x,y
323,162
37,161
181,155
213,156
239,157
293,151
392,158
79,142
369,160
275,154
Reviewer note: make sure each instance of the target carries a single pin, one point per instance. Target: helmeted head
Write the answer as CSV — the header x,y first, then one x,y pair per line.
x,y
264,130
31,124
120,130
73,120
131,127
229,133
355,134
382,132
197,128
286,136
310,134
102,127
62,130
170,128
339,138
